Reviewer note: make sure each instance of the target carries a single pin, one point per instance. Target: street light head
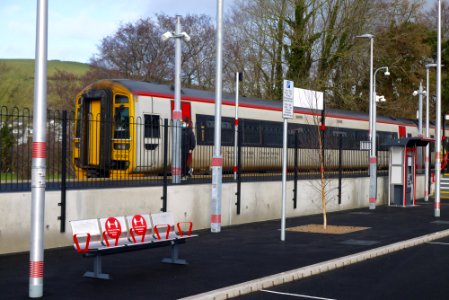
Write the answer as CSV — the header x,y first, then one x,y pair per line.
x,y
415,93
185,37
387,73
365,36
166,36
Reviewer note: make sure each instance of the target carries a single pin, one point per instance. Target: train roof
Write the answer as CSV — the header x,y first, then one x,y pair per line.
x,y
167,91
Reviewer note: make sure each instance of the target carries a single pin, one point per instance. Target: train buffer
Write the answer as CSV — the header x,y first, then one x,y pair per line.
x,y
106,236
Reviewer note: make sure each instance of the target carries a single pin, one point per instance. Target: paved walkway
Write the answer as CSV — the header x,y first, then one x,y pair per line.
x,y
239,255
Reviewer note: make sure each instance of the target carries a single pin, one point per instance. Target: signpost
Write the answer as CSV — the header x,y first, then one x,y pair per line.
x,y
287,113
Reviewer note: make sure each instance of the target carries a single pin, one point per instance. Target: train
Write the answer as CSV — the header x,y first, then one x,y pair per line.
x,y
119,131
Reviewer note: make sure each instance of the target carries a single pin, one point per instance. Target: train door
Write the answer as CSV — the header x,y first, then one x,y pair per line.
x,y
410,177
96,132
186,110
402,132
94,121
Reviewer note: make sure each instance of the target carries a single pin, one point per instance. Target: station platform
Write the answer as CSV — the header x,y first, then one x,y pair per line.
x,y
237,256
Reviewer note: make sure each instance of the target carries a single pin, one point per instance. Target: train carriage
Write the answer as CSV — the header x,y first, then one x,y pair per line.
x,y
119,131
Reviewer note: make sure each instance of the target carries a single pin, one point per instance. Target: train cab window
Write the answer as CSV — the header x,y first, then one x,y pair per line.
x,y
121,128
152,126
119,99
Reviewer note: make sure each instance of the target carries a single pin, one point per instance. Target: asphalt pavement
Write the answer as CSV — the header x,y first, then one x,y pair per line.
x,y
239,258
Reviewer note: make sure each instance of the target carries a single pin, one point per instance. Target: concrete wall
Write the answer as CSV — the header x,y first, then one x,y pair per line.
x,y
260,201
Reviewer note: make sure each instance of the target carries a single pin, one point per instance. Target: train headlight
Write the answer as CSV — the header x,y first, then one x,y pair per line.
x,y
121,146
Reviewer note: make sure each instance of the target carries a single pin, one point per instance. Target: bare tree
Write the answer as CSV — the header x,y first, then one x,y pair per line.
x,y
255,33
64,86
136,51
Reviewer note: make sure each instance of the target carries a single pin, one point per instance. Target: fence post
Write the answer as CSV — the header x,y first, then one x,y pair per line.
x,y
340,171
165,179
62,204
295,174
340,135
239,168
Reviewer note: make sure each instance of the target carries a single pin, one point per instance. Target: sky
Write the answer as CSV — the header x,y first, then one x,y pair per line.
x,y
76,28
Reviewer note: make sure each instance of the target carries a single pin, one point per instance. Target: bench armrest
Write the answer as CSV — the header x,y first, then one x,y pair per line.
x,y
181,233
156,231
77,244
132,231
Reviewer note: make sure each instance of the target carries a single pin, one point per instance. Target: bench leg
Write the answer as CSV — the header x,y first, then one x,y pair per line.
x,y
97,270
174,256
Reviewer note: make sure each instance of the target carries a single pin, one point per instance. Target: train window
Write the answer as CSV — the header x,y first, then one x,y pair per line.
x,y
272,134
292,130
152,126
121,130
385,139
227,132
205,126
121,99
251,133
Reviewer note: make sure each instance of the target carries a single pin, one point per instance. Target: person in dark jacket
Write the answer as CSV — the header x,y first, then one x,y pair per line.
x,y
188,143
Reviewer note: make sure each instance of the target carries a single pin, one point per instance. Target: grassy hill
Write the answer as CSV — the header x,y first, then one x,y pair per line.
x,y
17,80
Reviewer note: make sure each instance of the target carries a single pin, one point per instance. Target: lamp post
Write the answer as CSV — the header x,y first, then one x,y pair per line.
x,y
373,160
217,158
39,155
427,155
419,93
373,157
177,111
438,119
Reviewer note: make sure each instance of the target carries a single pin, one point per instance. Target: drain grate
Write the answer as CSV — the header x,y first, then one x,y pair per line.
x,y
359,242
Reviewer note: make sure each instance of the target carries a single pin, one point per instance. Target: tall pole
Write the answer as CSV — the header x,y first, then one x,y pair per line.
x,y
372,159
438,120
372,137
217,159
284,177
236,122
39,155
420,92
177,111
427,155
287,113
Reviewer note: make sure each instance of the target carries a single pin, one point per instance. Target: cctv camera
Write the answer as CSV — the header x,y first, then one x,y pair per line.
x,y
166,36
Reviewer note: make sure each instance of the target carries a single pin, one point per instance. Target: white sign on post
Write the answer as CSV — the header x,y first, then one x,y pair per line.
x,y
287,113
288,100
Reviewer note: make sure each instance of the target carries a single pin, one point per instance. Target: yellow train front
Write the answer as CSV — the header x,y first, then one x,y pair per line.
x,y
106,128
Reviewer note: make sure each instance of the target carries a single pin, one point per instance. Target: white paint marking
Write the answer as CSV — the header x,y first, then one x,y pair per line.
x,y
438,243
297,295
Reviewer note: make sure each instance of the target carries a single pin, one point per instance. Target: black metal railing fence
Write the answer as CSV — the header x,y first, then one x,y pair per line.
x,y
139,154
